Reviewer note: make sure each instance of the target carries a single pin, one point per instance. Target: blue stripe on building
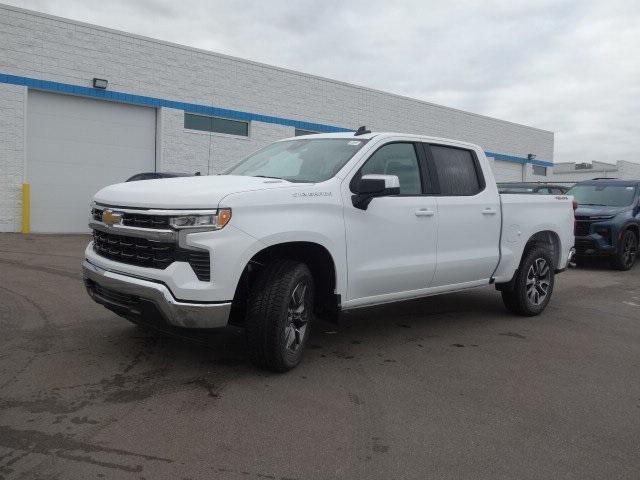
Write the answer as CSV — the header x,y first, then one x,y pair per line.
x,y
121,97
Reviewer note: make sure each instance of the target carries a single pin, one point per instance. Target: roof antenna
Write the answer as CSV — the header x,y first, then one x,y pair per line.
x,y
361,131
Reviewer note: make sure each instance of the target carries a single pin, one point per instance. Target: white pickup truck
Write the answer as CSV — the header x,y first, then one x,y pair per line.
x,y
313,226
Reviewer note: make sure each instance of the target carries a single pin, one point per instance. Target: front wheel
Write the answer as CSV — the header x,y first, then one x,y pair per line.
x,y
627,253
279,314
533,284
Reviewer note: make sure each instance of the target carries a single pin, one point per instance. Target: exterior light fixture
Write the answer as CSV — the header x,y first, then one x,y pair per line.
x,y
100,83
530,156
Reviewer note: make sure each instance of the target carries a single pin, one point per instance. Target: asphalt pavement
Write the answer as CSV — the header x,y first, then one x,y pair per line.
x,y
449,387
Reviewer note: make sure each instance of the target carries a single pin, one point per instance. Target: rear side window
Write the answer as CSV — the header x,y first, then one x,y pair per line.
x,y
398,159
456,170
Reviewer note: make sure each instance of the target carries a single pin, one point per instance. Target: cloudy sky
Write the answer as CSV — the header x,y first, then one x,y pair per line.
x,y
572,67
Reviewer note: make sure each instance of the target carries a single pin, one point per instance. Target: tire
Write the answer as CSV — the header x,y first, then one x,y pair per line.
x,y
536,271
627,252
279,315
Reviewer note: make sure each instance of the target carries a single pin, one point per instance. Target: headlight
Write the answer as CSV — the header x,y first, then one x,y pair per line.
x,y
209,221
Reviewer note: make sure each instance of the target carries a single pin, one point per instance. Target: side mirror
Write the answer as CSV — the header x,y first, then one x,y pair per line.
x,y
371,186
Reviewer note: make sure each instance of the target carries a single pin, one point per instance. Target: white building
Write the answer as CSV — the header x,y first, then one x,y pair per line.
x,y
575,172
169,107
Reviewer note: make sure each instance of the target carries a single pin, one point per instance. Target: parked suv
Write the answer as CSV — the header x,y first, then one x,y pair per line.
x,y
608,220
315,225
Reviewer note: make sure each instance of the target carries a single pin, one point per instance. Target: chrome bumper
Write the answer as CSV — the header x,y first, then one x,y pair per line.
x,y
128,295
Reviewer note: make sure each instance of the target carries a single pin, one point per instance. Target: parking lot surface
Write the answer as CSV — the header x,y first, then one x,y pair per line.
x,y
445,387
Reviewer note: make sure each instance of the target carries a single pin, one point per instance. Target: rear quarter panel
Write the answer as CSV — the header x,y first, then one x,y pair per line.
x,y
525,215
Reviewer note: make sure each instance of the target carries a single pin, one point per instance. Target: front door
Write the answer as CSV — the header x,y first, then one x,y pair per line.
x,y
391,246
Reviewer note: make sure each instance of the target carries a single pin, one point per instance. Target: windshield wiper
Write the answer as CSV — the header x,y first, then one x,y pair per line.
x,y
595,204
267,176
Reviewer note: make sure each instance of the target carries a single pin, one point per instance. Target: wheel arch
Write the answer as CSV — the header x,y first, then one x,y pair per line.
x,y
318,259
546,238
635,227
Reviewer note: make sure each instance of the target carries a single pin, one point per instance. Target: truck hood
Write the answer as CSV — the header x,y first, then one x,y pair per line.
x,y
597,210
184,192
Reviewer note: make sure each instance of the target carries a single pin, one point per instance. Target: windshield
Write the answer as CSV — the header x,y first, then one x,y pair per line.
x,y
304,160
603,195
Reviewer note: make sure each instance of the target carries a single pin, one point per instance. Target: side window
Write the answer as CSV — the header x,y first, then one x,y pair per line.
x,y
398,159
456,170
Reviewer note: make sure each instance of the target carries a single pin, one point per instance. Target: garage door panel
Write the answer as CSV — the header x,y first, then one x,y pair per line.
x,y
90,131
75,147
65,154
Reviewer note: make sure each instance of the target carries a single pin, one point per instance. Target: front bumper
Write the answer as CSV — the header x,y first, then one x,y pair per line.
x,y
151,302
593,246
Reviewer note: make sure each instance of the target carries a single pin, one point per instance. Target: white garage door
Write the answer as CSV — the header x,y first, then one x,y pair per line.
x,y
76,146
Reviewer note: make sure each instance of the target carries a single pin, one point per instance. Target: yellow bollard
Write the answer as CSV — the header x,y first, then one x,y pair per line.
x,y
26,208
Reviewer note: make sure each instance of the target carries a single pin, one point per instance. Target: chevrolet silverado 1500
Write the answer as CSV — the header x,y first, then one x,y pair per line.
x,y
317,225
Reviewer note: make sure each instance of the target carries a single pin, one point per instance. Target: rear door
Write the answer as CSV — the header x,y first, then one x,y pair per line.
x,y
468,216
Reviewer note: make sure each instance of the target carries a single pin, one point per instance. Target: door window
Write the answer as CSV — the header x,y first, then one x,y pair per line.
x,y
457,172
398,159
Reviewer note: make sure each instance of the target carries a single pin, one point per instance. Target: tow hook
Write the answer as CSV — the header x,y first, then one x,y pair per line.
x,y
570,261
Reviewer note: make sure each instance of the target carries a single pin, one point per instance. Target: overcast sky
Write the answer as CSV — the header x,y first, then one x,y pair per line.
x,y
572,67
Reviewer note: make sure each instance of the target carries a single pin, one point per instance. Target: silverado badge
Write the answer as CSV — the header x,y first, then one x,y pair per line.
x,y
109,217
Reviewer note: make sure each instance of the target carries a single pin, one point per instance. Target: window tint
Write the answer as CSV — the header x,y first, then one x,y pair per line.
x,y
216,124
456,170
396,159
299,132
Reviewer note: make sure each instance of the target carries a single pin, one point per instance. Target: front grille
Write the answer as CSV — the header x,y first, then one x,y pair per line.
x,y
140,220
133,250
149,253
582,228
145,221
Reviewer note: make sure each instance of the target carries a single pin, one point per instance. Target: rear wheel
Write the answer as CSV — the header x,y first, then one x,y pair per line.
x,y
279,314
533,284
627,252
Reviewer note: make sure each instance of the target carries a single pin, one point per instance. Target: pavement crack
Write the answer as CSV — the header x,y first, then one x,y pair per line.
x,y
62,445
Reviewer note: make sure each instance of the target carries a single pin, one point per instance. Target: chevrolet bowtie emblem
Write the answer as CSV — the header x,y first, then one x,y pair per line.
x,y
109,217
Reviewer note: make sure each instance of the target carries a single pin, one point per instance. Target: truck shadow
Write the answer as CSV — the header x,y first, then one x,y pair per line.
x,y
444,314
594,264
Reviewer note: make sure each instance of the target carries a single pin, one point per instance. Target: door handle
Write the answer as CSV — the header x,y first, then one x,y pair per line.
x,y
424,212
489,211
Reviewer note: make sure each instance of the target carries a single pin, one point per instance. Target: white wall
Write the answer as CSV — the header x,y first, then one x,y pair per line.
x,y
12,155
49,48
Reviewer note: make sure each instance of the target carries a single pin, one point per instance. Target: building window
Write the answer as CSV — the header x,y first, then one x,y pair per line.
x,y
216,124
302,131
538,170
